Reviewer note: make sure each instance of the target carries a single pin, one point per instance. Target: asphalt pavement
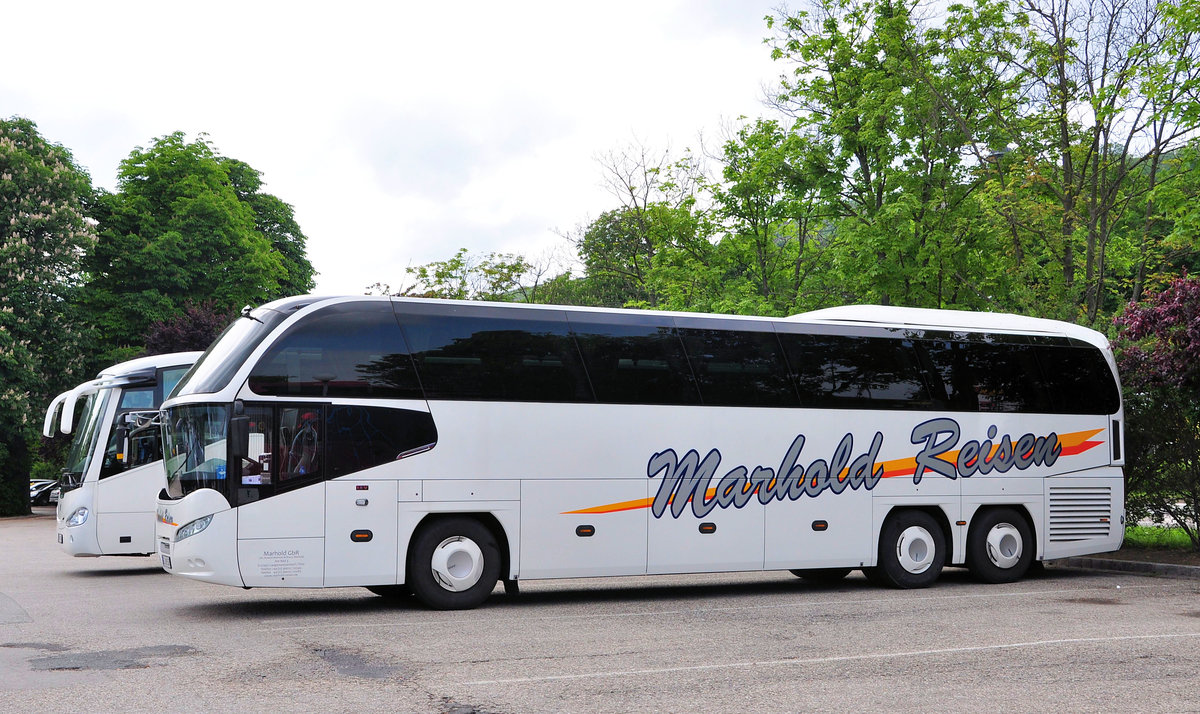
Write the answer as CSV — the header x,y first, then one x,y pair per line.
x,y
118,634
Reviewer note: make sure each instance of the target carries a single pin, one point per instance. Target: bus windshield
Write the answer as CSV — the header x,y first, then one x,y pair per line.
x,y
223,357
82,447
195,448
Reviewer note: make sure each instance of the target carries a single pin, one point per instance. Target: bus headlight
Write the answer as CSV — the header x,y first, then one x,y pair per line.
x,y
188,530
78,517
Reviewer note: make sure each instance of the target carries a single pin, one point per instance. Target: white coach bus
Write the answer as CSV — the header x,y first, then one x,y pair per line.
x,y
435,447
114,468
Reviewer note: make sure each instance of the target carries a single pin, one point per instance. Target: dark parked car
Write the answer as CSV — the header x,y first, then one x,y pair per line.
x,y
43,492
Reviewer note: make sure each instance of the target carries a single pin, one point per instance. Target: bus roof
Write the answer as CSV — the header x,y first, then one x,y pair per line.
x,y
118,375
151,362
890,315
870,315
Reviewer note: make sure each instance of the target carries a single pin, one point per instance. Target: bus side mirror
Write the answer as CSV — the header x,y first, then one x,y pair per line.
x,y
239,439
122,438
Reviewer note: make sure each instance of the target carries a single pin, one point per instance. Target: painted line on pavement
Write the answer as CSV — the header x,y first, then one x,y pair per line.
x,y
826,660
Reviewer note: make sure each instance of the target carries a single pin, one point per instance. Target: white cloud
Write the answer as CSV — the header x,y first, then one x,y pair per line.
x,y
398,131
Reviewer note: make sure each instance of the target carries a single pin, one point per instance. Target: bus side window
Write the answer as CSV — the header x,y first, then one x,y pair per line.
x,y
507,355
639,362
738,368
257,470
1078,379
343,351
359,437
855,372
985,376
301,444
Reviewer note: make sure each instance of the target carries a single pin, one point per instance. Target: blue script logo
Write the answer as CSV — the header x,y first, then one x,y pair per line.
x,y
687,479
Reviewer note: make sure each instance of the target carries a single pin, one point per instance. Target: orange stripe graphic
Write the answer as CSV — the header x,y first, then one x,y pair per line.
x,y
1072,444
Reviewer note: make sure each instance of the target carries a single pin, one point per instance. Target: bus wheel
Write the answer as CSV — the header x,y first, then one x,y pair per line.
x,y
912,550
999,546
391,592
453,564
822,575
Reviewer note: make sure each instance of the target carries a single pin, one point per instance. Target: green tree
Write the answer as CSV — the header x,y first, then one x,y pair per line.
x,y
892,122
1105,88
276,220
631,254
494,277
774,258
177,232
43,232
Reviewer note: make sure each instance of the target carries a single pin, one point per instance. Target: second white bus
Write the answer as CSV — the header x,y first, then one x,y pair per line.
x,y
114,471
436,447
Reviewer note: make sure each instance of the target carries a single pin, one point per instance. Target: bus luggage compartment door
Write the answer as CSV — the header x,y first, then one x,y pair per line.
x,y
360,532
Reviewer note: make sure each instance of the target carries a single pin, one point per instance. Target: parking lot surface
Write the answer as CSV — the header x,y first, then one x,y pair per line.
x,y
118,634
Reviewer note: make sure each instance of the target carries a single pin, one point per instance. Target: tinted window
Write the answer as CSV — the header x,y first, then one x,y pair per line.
x,y
639,360
739,368
139,398
845,371
1078,379
226,355
297,445
171,377
981,376
352,350
494,354
301,445
361,437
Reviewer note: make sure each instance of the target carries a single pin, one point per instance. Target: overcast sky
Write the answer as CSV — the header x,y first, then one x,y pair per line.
x,y
399,132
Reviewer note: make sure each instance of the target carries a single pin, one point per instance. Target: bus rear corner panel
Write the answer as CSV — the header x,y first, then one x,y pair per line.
x,y
1085,513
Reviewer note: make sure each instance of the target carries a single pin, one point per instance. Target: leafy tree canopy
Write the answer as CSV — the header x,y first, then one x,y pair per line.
x,y
187,226
42,234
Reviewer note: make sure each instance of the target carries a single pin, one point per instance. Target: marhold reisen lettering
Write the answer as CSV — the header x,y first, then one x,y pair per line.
x,y
686,480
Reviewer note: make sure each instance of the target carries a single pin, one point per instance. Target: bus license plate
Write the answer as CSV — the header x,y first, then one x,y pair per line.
x,y
166,562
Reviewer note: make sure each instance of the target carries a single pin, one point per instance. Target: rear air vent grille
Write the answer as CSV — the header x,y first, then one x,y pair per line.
x,y
1080,512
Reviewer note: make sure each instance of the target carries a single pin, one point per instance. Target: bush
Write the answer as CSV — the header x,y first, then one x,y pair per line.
x,y
1157,345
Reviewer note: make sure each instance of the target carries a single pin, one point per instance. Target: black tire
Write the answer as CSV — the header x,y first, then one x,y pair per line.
x,y
1000,546
391,592
825,576
912,551
875,577
467,568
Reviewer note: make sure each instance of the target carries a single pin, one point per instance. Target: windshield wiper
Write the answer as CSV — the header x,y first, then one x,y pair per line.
x,y
246,313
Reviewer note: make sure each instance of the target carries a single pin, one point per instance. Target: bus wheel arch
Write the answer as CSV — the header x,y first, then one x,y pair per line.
x,y
1000,544
912,548
454,561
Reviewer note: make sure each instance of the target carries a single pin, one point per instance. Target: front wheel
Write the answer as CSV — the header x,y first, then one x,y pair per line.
x,y
912,551
453,564
391,592
999,546
824,576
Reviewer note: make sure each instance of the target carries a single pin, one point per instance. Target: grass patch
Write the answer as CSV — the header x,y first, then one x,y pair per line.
x,y
1157,537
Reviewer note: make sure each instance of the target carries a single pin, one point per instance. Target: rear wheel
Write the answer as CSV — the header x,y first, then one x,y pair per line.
x,y
912,551
822,575
999,546
453,564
